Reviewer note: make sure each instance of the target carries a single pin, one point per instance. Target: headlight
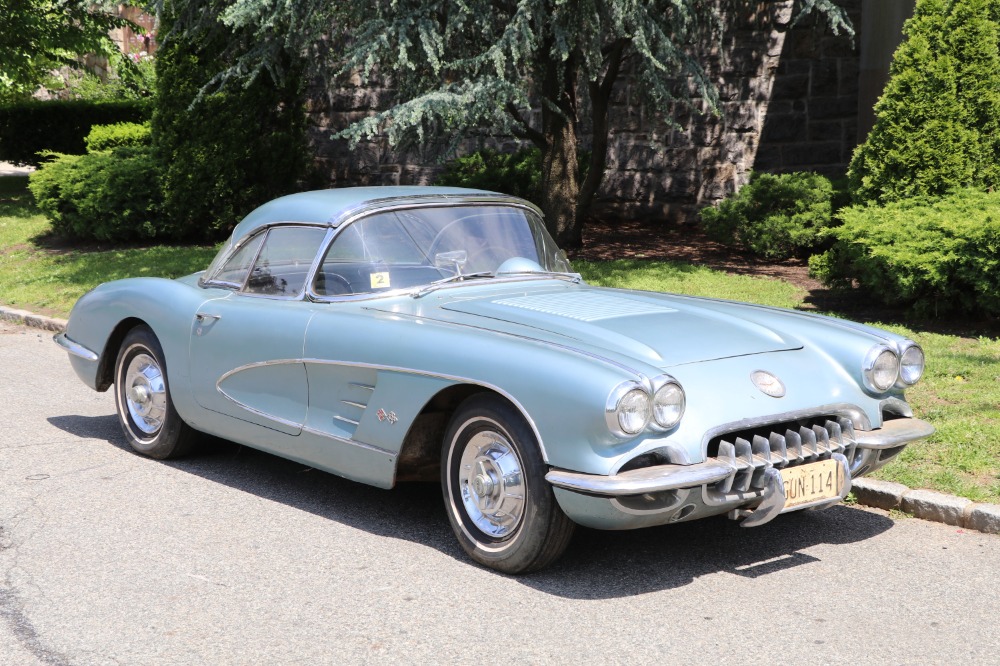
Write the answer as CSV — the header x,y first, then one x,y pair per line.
x,y
911,365
628,409
668,402
881,369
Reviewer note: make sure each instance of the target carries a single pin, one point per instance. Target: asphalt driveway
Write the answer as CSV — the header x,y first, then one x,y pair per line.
x,y
237,557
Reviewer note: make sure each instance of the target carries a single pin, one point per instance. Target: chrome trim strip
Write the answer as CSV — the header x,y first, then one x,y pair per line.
x,y
354,423
74,348
638,481
351,442
354,404
406,371
254,410
363,387
894,433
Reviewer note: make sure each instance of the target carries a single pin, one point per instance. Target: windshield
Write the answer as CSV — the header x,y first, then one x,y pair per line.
x,y
416,247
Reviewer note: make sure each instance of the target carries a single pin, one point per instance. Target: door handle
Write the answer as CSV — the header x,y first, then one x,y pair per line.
x,y
203,316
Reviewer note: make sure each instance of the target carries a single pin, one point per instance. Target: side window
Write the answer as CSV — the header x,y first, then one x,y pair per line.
x,y
235,270
284,261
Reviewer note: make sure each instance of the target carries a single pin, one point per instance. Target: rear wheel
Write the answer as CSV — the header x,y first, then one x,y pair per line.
x,y
142,397
501,508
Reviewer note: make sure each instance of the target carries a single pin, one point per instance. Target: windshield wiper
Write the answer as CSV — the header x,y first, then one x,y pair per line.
x,y
458,277
558,275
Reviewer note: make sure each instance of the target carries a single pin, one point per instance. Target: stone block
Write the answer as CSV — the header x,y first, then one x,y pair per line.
x,y
983,517
783,128
826,130
824,108
812,153
880,494
935,506
824,78
790,86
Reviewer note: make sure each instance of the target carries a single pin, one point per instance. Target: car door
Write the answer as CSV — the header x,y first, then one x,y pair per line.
x,y
246,354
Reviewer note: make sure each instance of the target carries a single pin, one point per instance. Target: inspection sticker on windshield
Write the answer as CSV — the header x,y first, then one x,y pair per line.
x,y
380,280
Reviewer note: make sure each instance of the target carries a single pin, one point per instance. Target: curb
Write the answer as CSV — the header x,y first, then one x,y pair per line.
x,y
30,319
929,505
924,504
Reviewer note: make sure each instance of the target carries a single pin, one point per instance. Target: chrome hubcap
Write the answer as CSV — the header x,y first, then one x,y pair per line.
x,y
145,393
491,484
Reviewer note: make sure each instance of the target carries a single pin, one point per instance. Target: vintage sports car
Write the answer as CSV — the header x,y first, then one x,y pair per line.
x,y
403,333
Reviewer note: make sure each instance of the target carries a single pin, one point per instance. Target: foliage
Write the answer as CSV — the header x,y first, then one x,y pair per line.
x,y
937,124
938,256
775,216
463,65
135,82
108,137
226,152
112,195
29,128
39,35
518,173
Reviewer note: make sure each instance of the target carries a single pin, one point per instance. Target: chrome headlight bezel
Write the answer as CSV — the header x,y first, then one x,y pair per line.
x,y
612,409
870,370
665,384
910,348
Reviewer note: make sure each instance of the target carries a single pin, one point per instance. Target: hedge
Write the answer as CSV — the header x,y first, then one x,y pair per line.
x,y
109,137
28,128
935,256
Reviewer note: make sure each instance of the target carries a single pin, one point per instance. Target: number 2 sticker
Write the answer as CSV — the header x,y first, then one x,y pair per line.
x,y
380,280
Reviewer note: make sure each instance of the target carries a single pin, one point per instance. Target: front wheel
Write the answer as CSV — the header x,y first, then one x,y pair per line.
x,y
500,506
142,397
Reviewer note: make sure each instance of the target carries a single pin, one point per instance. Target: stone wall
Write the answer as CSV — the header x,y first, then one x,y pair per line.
x,y
788,102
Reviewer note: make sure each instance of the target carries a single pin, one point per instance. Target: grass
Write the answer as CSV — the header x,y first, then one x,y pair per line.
x,y
960,393
48,281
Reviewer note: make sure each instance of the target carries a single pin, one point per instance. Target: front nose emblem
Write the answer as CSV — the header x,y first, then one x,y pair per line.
x,y
767,383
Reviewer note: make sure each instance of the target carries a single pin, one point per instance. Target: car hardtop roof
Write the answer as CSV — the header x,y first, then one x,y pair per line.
x,y
331,206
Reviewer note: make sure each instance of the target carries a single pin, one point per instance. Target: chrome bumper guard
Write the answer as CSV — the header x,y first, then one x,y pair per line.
x,y
747,472
74,348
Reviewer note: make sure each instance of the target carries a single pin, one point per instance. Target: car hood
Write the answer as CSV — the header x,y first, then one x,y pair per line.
x,y
656,328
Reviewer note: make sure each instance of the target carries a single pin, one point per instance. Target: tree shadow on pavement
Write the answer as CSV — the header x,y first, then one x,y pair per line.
x,y
597,565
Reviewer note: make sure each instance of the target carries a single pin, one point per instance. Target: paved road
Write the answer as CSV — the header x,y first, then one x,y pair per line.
x,y
236,557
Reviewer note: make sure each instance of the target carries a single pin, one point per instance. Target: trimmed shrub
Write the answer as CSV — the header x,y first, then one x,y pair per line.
x,y
775,216
518,174
30,128
224,152
108,137
112,195
936,256
937,124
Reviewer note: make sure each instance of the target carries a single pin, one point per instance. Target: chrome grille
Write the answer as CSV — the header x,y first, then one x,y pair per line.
x,y
750,452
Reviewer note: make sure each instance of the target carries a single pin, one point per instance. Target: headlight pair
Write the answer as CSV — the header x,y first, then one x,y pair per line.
x,y
633,406
884,368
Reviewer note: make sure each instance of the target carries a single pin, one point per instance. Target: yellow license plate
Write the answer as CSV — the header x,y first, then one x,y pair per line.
x,y
812,482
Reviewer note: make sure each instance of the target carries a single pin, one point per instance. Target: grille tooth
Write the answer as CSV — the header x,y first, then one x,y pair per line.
x,y
761,460
779,447
822,440
794,447
847,432
808,443
744,460
727,453
836,436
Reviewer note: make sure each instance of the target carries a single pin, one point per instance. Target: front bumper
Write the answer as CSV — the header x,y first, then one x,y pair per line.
x,y
745,483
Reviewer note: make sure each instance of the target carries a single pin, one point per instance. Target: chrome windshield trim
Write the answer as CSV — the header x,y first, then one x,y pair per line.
x,y
894,433
406,202
638,481
74,348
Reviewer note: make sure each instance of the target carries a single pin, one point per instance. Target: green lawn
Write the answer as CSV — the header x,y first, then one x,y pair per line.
x,y
960,393
48,281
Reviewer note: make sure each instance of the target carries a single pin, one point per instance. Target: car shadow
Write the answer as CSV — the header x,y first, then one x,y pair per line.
x,y
597,565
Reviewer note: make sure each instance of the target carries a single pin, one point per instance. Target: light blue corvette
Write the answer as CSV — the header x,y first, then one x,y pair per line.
x,y
390,334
